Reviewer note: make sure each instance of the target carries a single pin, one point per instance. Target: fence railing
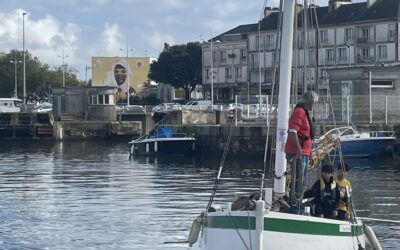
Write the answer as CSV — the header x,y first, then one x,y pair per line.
x,y
357,109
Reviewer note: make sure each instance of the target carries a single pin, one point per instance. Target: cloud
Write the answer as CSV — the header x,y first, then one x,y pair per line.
x,y
157,40
112,40
44,37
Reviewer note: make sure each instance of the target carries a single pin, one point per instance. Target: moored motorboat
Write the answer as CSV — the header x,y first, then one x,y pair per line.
x,y
361,144
162,141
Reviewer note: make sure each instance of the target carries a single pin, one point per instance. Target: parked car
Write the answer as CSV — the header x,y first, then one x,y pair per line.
x,y
43,107
165,107
123,108
199,105
233,106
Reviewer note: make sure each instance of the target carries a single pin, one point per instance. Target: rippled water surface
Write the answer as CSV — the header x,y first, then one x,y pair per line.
x,y
90,195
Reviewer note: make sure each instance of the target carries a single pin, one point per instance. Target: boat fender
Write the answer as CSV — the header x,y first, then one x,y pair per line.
x,y
155,146
193,146
195,230
372,237
147,148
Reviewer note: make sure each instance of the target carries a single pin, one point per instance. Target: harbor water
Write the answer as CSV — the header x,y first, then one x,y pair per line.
x,y
90,195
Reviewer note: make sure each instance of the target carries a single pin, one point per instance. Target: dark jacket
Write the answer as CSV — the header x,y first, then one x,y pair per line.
x,y
326,197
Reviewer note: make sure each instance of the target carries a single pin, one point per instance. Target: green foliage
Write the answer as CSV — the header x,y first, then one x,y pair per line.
x,y
40,78
179,66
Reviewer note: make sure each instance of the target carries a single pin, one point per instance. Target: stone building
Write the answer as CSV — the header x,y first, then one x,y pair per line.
x,y
335,49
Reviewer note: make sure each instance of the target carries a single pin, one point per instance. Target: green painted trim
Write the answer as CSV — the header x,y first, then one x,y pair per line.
x,y
281,225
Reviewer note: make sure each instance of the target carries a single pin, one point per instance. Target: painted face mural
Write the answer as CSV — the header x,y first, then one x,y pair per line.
x,y
120,74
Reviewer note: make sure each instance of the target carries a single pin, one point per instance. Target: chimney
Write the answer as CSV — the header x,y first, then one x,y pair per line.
x,y
334,4
268,11
370,2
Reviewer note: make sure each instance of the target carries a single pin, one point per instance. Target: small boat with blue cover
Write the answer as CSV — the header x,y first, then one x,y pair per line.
x,y
162,141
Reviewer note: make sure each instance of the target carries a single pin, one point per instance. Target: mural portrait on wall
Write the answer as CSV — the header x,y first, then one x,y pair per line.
x,y
119,75
118,71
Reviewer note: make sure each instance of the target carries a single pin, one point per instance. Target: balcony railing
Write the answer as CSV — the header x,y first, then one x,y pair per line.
x,y
364,59
363,40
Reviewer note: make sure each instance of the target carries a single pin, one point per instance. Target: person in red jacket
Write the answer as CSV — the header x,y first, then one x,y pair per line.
x,y
298,147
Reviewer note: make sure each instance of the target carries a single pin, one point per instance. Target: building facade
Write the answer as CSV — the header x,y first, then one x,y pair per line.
x,y
334,46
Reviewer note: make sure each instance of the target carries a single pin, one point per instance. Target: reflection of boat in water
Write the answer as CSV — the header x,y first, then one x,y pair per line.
x,y
396,150
356,144
162,141
268,226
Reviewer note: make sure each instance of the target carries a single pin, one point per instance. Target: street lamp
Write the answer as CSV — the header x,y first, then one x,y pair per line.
x,y
128,70
86,69
15,72
24,67
212,70
63,66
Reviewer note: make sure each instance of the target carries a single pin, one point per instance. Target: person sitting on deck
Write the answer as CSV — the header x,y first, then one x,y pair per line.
x,y
344,188
325,194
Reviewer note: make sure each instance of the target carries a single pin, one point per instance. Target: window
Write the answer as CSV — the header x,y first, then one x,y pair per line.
x,y
270,41
261,43
214,56
238,72
364,35
243,55
381,84
365,53
323,36
223,56
330,55
382,51
101,99
228,73
93,99
311,57
254,61
207,74
342,54
391,32
348,35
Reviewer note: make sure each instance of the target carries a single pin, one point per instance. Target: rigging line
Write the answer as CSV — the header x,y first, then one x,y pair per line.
x,y
323,71
216,182
237,230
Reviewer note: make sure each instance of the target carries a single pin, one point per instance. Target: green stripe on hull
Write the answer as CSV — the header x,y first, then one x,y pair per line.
x,y
282,225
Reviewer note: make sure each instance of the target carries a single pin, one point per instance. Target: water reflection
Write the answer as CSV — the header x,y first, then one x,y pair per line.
x,y
89,194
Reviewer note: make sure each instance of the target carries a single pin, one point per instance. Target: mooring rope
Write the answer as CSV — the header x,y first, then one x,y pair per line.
x,y
221,165
377,219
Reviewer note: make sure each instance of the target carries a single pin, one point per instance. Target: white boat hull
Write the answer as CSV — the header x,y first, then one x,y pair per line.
x,y
230,230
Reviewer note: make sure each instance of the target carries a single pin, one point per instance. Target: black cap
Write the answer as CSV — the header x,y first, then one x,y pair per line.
x,y
346,167
327,168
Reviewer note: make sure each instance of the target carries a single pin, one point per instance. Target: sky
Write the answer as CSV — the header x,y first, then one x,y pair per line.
x,y
91,28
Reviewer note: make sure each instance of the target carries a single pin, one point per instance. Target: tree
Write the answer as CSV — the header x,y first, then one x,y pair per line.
x,y
179,66
39,76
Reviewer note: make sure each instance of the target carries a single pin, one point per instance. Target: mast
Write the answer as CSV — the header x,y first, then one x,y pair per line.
x,y
285,75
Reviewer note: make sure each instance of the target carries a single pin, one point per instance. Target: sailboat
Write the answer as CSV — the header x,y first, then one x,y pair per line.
x,y
265,228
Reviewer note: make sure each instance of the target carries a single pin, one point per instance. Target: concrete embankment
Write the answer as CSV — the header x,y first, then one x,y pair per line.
x,y
246,140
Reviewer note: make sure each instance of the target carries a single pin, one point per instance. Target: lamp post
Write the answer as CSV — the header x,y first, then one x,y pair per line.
x,y
15,72
63,66
128,70
24,67
212,70
86,69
